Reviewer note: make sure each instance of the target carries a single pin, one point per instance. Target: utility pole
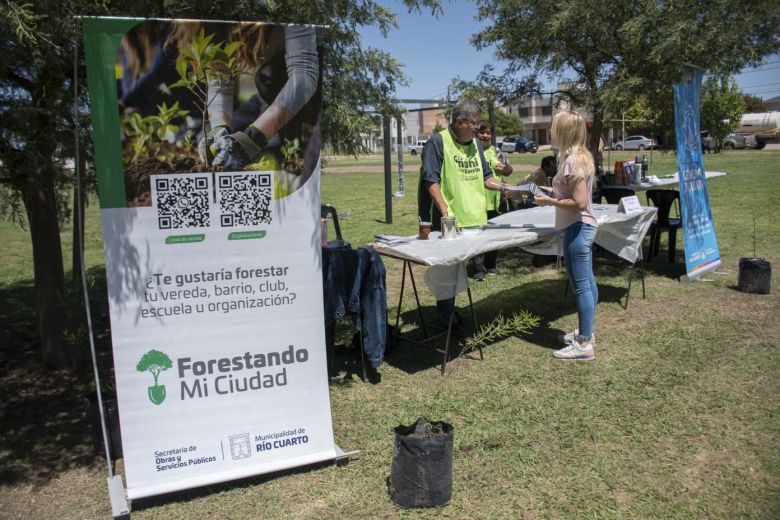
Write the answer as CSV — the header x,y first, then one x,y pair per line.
x,y
492,119
399,125
623,122
388,169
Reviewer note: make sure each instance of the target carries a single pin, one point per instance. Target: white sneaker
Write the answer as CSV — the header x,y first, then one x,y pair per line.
x,y
575,351
567,338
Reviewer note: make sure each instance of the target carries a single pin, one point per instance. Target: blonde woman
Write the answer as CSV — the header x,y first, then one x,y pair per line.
x,y
572,188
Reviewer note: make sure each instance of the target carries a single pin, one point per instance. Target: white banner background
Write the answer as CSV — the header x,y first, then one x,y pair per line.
x,y
198,437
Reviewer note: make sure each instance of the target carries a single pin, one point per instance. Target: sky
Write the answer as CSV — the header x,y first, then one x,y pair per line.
x,y
436,50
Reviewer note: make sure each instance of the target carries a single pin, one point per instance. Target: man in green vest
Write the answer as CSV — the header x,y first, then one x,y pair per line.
x,y
454,177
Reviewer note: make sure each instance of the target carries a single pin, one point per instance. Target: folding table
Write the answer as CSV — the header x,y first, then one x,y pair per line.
x,y
532,229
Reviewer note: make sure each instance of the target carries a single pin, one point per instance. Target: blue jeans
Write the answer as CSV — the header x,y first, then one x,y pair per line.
x,y
578,254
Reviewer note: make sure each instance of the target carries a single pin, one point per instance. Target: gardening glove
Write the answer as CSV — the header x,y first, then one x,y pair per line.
x,y
210,145
240,149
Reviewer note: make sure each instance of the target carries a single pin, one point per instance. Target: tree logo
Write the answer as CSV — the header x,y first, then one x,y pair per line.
x,y
155,362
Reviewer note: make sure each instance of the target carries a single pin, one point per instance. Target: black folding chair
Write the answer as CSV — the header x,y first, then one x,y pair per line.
x,y
329,212
613,195
664,200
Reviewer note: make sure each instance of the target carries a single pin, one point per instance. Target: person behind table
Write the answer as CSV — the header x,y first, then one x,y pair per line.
x,y
486,263
541,176
454,176
571,197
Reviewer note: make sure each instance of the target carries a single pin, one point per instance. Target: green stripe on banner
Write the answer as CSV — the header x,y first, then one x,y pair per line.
x,y
101,41
246,235
185,239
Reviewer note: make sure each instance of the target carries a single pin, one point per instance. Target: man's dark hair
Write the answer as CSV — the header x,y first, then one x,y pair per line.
x,y
546,161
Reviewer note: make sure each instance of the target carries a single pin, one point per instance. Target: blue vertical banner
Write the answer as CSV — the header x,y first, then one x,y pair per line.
x,y
701,245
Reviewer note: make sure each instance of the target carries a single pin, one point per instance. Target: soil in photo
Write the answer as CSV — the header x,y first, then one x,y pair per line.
x,y
138,188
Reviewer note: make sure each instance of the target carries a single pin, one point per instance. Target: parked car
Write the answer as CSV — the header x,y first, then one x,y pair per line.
x,y
707,141
733,141
736,141
518,144
635,142
416,148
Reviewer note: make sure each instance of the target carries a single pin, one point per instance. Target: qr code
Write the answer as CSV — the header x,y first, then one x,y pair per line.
x,y
244,198
182,200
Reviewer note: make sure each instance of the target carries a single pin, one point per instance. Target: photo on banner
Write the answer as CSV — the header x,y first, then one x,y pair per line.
x,y
701,245
207,150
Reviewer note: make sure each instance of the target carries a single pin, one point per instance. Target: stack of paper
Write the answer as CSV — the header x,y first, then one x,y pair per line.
x,y
392,240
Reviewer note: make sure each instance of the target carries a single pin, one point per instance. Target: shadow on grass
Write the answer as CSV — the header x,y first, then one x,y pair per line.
x,y
546,299
44,428
181,497
542,298
347,367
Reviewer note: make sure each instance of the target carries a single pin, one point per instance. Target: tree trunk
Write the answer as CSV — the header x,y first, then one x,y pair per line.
x,y
492,119
595,137
41,206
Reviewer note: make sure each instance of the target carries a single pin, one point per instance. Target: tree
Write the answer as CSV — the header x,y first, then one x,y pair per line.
x,y
753,104
721,106
489,90
508,124
36,98
199,63
610,52
36,139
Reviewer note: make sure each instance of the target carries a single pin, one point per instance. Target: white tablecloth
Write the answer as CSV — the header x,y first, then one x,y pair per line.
x,y
663,182
532,229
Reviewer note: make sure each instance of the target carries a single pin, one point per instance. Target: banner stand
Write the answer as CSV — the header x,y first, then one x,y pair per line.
x,y
702,254
120,508
343,457
696,276
156,447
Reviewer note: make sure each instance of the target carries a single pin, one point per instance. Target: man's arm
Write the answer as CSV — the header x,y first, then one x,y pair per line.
x,y
432,160
435,192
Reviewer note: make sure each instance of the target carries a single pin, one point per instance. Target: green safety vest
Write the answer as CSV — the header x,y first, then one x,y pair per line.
x,y
462,181
493,198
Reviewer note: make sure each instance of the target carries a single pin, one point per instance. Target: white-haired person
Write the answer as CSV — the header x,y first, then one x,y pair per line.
x,y
571,197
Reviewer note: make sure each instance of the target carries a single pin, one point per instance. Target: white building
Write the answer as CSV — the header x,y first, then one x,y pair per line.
x,y
536,113
417,124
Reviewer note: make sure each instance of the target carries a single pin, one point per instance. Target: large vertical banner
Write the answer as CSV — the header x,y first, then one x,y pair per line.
x,y
701,245
207,150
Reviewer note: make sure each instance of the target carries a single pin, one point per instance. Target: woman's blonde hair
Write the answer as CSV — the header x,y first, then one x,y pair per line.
x,y
569,135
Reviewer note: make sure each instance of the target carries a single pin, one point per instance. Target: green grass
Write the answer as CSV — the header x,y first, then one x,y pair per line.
x,y
676,418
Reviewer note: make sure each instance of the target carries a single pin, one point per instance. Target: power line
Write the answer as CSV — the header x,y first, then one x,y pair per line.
x,y
764,91
767,63
759,70
762,85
